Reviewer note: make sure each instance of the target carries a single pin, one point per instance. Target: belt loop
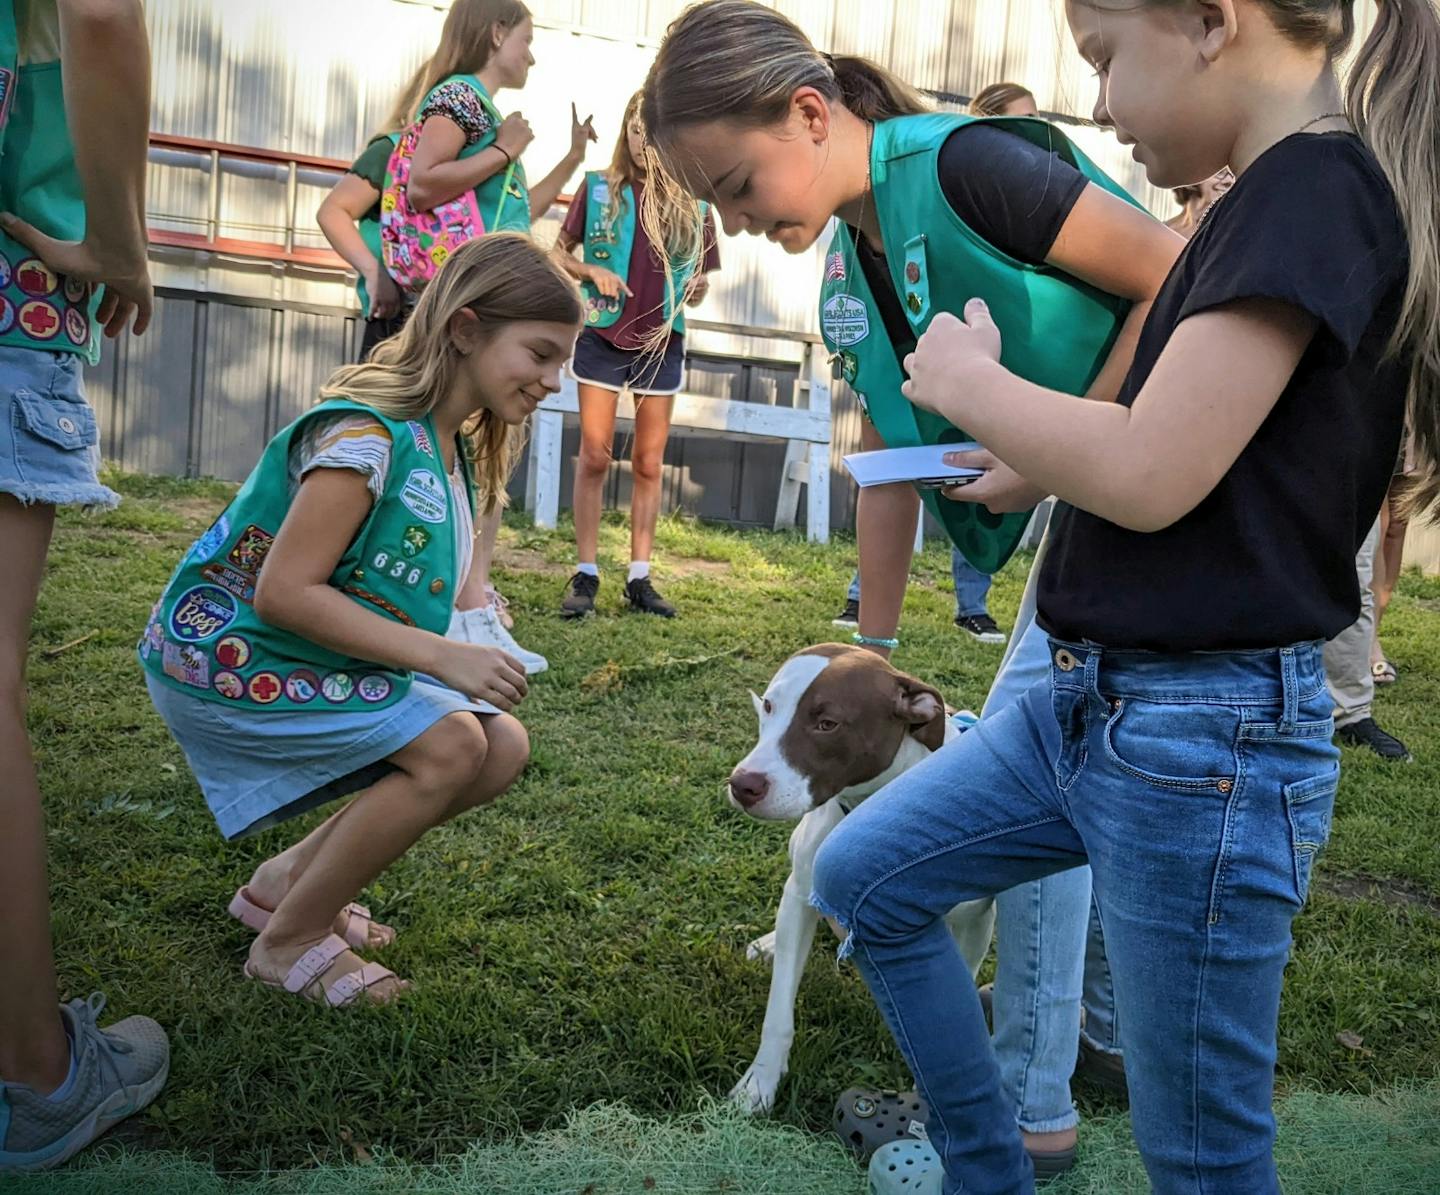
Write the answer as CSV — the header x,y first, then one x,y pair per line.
x,y
1291,686
1093,652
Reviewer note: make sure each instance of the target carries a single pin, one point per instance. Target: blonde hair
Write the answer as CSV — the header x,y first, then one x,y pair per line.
x,y
1392,97
993,100
503,278
467,43
741,61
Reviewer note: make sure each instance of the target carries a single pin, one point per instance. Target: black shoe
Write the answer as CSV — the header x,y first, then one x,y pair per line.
x,y
981,627
1365,733
848,617
579,597
644,600
1102,1069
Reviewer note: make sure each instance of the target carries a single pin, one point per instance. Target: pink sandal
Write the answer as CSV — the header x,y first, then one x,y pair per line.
x,y
307,976
358,922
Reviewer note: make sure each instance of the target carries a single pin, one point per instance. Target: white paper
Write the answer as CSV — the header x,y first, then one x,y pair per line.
x,y
925,463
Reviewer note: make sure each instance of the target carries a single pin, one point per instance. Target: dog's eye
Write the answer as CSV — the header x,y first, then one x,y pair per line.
x,y
826,725
767,707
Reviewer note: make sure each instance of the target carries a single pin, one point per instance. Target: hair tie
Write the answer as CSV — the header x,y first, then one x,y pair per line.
x,y
828,60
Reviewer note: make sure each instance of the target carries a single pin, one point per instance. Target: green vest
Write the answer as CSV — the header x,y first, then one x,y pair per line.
x,y
610,243
504,197
204,637
39,183
1056,330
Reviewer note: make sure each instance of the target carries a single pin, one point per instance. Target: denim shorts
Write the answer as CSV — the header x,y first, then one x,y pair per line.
x,y
597,362
49,441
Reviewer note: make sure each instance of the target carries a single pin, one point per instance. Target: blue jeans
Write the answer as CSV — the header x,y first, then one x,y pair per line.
x,y
972,586
1199,788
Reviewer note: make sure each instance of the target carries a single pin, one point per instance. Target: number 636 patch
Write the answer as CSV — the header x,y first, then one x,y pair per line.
x,y
393,564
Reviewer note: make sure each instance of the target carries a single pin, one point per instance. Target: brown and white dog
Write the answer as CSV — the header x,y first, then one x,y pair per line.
x,y
836,724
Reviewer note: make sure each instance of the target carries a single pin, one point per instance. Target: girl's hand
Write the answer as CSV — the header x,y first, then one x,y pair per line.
x,y
1000,490
514,135
582,132
483,673
126,280
947,353
607,282
385,298
696,289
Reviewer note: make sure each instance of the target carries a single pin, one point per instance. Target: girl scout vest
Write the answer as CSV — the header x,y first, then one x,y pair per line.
x,y
204,636
39,183
1056,330
609,244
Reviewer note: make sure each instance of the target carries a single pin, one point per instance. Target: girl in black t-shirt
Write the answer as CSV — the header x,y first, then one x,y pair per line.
x,y
1202,552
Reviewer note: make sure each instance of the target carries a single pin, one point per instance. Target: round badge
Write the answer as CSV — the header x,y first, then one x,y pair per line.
x,y
34,277
301,686
437,586
373,688
7,315
76,291
265,688
233,651
39,320
912,272
6,273
337,687
201,613
77,327
228,685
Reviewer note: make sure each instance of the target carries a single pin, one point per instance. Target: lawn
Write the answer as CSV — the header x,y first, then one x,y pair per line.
x,y
583,940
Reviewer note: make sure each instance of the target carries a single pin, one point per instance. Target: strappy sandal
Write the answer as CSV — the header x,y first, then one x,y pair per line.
x,y
307,977
362,932
1384,673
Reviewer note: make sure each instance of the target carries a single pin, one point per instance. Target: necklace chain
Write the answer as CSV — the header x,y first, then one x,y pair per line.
x,y
854,262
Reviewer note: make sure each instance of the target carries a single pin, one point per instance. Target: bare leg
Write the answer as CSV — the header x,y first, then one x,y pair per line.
x,y
597,434
647,459
1388,561
458,763
33,1047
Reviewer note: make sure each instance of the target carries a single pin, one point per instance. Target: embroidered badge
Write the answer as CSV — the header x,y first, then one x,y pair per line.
x,y
250,549
201,613
844,320
373,688
265,688
337,687
302,686
415,541
242,585
39,320
35,278
7,315
212,541
187,664
233,651
835,267
424,496
228,685
421,437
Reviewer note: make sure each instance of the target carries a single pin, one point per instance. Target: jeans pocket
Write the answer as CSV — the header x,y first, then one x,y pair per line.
x,y
1309,805
1186,746
47,425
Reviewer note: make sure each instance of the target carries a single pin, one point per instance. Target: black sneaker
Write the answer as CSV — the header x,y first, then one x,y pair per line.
x,y
644,600
848,617
579,597
981,627
1365,733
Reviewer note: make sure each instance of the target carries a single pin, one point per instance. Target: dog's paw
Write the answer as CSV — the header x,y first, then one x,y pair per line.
x,y
755,1093
762,949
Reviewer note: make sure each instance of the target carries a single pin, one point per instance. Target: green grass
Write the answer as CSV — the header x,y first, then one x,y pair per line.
x,y
583,940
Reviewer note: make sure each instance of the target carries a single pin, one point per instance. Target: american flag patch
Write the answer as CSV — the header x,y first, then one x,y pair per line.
x,y
422,438
835,267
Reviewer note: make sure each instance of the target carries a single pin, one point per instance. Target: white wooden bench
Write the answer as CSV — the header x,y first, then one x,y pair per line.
x,y
805,429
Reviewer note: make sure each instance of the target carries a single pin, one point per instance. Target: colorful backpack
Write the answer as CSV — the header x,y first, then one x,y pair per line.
x,y
414,245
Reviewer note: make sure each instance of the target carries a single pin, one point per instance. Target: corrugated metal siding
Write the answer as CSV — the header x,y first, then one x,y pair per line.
x,y
205,387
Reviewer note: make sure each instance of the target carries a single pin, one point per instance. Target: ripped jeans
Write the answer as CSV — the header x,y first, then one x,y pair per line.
x,y
1199,788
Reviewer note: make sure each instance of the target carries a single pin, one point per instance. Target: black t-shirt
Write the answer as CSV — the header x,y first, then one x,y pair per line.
x,y
1267,559
1012,193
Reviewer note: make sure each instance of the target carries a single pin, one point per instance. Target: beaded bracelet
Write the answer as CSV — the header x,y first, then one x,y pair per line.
x,y
872,641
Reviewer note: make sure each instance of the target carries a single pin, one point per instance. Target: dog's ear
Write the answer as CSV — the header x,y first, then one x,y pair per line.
x,y
922,707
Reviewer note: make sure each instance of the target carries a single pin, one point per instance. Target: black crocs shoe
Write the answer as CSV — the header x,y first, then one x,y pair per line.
x,y
644,600
1365,733
579,597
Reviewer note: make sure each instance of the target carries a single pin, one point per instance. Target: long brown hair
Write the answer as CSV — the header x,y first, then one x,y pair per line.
x,y
1392,97
503,277
993,100
467,43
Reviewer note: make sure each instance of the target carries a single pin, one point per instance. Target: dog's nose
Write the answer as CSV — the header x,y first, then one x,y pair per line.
x,y
749,788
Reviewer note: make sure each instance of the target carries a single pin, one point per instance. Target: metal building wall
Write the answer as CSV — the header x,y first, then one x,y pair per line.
x,y
201,393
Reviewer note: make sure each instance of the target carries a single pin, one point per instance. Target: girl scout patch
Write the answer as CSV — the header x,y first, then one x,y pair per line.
x,y
201,613
844,320
424,496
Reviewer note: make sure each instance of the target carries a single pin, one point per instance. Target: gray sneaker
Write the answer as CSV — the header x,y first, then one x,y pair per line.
x,y
119,1071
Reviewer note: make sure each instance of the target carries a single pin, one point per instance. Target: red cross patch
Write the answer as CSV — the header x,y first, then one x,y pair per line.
x,y
40,320
265,688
